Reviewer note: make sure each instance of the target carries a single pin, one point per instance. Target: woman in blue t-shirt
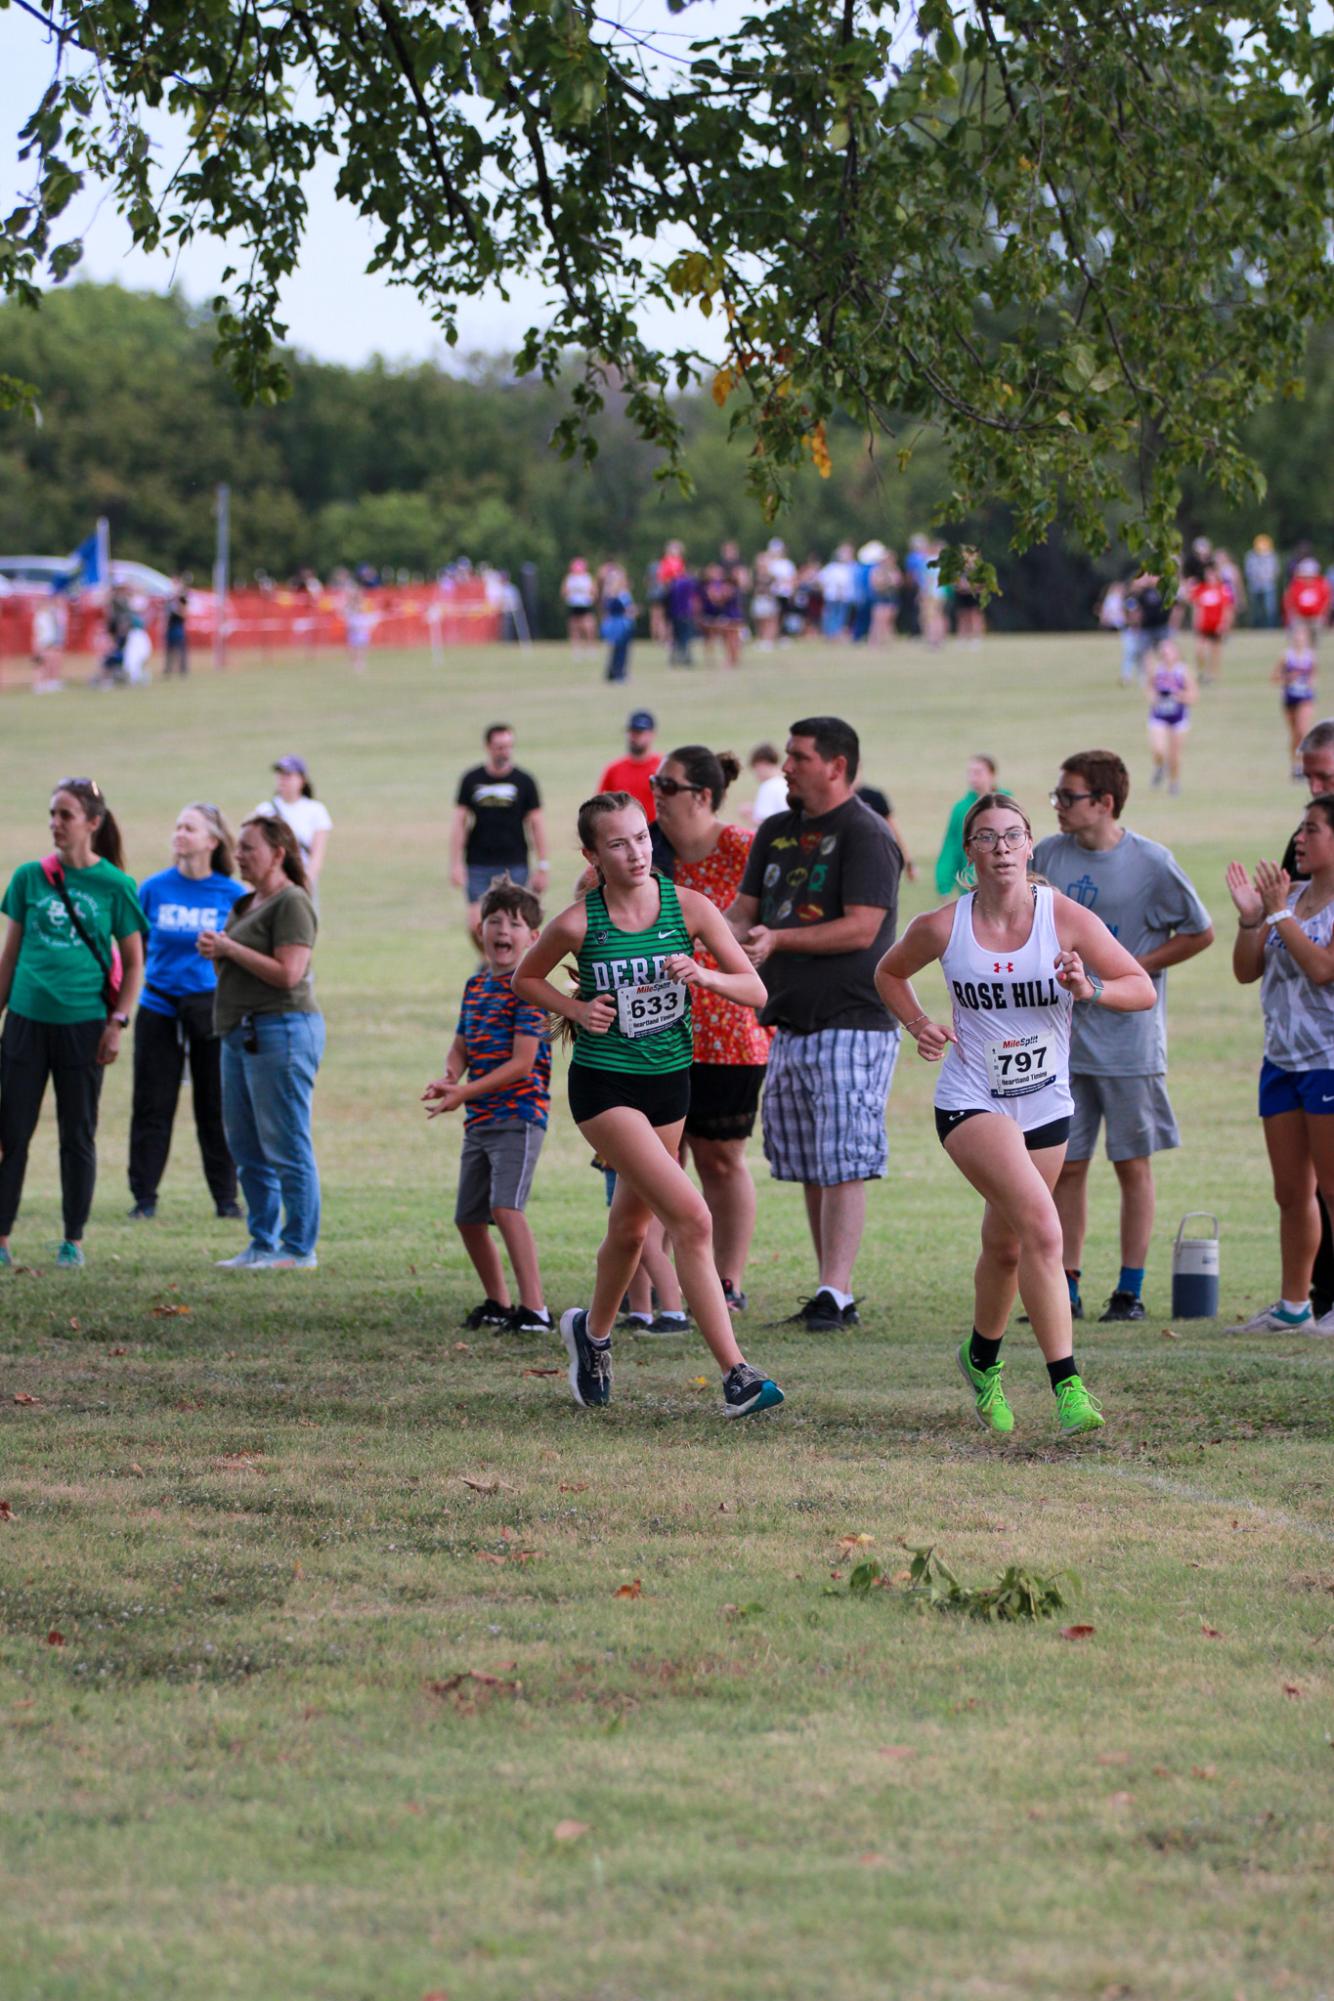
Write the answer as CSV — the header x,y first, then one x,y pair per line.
x,y
176,1011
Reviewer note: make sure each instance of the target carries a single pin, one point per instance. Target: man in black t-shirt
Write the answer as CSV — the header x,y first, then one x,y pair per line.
x,y
816,911
497,813
1149,620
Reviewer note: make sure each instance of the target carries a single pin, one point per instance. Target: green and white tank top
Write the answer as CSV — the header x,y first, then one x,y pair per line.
x,y
651,1034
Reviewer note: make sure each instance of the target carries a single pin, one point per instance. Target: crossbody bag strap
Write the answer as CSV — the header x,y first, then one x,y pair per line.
x,y
57,880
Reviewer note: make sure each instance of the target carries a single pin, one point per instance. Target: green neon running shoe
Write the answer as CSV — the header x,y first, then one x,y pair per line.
x,y
69,1257
1079,1411
992,1411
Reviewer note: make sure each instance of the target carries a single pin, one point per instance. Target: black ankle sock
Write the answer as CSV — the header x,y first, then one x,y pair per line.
x,y
983,1354
1061,1372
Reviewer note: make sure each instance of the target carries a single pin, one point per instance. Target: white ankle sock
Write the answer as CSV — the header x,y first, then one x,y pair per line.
x,y
840,1299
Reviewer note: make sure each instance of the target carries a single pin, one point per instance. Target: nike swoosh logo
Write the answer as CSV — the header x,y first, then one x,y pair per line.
x,y
1328,1099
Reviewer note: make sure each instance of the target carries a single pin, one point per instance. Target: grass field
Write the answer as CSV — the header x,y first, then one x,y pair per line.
x,y
318,1673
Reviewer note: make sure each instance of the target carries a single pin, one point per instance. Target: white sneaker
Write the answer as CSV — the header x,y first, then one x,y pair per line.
x,y
245,1260
285,1261
1277,1320
1324,1325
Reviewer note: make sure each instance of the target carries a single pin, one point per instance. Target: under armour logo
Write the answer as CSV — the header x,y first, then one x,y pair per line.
x,y
997,967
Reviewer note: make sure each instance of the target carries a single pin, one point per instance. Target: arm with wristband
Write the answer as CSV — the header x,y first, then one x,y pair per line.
x,y
921,945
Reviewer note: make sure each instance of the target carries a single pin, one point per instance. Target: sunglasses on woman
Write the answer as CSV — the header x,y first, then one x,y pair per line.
x,y
669,787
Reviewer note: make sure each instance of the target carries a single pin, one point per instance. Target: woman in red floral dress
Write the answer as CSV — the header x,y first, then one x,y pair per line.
x,y
731,1049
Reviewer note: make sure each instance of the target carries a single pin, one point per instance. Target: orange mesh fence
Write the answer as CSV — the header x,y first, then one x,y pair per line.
x,y
279,621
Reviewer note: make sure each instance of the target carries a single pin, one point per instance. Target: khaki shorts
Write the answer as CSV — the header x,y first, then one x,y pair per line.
x,y
1136,1111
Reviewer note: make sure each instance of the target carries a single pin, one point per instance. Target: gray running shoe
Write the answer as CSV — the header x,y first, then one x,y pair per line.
x,y
1277,1320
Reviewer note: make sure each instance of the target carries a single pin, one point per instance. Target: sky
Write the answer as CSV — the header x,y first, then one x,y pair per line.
x,y
332,309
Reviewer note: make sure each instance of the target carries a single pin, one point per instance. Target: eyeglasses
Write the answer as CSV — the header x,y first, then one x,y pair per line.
x,y
1008,838
1064,797
669,787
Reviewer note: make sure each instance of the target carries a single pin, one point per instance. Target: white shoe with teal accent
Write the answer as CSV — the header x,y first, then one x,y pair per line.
x,y
1276,1319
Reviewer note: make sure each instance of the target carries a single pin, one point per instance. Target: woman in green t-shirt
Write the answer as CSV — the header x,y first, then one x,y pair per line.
x,y
66,1006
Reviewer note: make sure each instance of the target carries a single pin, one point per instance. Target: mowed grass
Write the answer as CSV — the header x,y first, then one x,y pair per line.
x,y
340,1591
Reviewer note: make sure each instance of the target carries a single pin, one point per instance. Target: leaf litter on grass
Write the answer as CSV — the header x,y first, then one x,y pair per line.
x,y
1018,1594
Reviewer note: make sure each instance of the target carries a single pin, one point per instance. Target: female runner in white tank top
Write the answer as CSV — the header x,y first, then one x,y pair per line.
x,y
1014,954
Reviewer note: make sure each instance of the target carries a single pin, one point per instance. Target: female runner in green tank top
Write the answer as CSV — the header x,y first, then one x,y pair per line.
x,y
633,936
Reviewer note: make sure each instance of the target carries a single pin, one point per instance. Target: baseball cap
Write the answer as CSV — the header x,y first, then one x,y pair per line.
x,y
291,763
641,720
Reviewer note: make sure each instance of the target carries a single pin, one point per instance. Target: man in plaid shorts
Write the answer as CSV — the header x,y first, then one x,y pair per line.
x,y
816,911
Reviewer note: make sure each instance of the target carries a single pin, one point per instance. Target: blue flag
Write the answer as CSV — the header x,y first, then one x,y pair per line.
x,y
87,562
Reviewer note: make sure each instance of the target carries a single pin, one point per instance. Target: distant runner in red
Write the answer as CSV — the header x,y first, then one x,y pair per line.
x,y
1213,608
1307,598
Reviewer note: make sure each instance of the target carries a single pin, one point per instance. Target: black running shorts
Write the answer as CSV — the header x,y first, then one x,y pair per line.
x,y
663,1098
1055,1133
724,1100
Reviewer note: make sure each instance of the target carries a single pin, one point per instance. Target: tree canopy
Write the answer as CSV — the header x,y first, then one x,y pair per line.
x,y
1079,239
411,466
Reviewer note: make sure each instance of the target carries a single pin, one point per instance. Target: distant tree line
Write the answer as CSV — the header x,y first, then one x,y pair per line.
x,y
410,467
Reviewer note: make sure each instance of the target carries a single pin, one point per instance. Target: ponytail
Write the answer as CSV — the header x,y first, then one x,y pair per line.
x,y
107,841
712,771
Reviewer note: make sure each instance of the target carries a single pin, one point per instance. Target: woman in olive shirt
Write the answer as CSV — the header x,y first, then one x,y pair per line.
x,y
66,1011
272,1040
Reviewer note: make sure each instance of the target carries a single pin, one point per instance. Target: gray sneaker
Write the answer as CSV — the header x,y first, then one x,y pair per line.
x,y
1277,1320
285,1261
247,1260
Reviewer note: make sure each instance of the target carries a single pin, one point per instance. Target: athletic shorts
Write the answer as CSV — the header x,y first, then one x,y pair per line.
x,y
724,1100
496,1169
824,1105
663,1098
481,877
1136,1111
1054,1133
1297,698
1309,1091
1177,718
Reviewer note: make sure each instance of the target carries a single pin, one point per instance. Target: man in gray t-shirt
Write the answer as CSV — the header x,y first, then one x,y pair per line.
x,y
1117,1061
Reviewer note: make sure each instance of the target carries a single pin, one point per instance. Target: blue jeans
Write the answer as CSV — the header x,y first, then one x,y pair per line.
x,y
618,660
266,1113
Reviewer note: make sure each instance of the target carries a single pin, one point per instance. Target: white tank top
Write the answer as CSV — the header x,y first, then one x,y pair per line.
x,y
1012,1021
1298,1015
